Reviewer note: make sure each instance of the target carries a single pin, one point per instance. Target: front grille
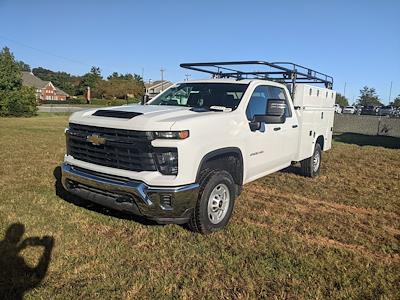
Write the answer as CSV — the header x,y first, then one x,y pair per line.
x,y
119,148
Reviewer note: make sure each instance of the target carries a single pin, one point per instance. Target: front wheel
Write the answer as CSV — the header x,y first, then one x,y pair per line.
x,y
215,202
310,167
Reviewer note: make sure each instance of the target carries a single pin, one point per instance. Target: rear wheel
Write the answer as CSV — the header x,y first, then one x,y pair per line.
x,y
215,202
310,167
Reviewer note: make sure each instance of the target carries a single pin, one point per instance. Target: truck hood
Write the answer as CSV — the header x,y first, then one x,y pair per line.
x,y
138,117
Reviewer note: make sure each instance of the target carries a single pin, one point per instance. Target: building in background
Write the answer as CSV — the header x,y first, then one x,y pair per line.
x,y
45,90
153,88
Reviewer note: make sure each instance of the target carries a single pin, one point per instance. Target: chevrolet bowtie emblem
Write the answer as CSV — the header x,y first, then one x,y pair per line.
x,y
96,139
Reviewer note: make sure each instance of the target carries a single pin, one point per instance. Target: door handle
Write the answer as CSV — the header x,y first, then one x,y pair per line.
x,y
277,128
294,126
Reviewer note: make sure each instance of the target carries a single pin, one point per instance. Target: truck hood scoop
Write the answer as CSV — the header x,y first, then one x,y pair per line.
x,y
116,114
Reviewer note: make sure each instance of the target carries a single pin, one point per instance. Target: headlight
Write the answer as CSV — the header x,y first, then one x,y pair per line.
x,y
167,161
176,135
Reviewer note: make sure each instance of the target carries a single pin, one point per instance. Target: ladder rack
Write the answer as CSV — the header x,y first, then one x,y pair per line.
x,y
284,72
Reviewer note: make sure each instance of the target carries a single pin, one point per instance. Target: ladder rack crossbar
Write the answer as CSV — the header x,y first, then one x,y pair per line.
x,y
286,72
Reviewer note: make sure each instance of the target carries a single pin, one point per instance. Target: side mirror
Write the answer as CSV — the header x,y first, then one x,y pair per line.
x,y
276,111
275,114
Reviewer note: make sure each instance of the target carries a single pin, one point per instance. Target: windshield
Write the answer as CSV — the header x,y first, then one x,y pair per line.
x,y
202,95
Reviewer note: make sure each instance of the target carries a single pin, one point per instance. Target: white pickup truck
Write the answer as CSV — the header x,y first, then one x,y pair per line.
x,y
184,156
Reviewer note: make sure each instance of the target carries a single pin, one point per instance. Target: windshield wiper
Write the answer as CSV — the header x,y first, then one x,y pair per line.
x,y
211,108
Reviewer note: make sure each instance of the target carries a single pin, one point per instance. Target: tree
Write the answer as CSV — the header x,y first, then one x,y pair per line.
x,y
18,103
96,71
92,80
15,99
341,100
122,86
10,73
368,96
24,66
396,101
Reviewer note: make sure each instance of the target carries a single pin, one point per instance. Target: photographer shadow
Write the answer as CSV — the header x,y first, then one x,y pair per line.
x,y
16,276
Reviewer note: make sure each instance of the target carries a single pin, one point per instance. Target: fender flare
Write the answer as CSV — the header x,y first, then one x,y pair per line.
x,y
238,176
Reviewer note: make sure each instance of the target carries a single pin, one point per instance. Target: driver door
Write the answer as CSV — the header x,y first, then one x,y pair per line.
x,y
264,146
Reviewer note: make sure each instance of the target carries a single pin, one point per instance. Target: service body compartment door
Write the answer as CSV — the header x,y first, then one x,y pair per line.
x,y
315,114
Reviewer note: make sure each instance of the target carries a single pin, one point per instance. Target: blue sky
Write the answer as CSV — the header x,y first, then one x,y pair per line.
x,y
357,42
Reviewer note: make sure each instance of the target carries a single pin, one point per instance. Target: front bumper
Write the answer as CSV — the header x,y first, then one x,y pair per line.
x,y
161,204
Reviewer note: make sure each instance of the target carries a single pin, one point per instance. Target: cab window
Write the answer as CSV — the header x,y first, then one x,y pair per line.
x,y
258,102
259,99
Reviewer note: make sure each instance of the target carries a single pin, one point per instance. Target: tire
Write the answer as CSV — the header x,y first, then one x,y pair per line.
x,y
310,167
215,202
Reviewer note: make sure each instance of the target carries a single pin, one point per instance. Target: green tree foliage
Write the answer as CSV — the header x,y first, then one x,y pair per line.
x,y
10,73
18,103
368,96
24,66
122,86
15,100
396,101
116,86
93,80
341,100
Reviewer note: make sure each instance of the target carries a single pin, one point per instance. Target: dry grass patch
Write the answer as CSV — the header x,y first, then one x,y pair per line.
x,y
336,236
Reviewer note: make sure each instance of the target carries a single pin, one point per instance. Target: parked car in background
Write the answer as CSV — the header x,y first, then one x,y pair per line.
x,y
386,110
369,110
396,113
338,109
349,110
358,109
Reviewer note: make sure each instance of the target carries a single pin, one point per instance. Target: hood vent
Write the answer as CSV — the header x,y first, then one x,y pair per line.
x,y
116,114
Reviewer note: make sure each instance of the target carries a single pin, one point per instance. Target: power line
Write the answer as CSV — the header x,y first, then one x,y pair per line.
x,y
51,53
45,51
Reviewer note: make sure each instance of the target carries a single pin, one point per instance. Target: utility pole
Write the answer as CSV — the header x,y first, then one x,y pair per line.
x,y
187,76
162,78
390,91
143,74
344,90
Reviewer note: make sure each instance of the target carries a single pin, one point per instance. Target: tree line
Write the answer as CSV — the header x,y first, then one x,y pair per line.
x,y
115,86
17,100
368,96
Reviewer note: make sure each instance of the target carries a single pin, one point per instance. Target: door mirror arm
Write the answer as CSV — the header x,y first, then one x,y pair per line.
x,y
254,125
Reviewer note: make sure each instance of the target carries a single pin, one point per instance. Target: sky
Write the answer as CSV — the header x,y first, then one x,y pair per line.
x,y
357,42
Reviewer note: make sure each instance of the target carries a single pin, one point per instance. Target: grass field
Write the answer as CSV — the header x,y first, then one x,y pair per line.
x,y
336,236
